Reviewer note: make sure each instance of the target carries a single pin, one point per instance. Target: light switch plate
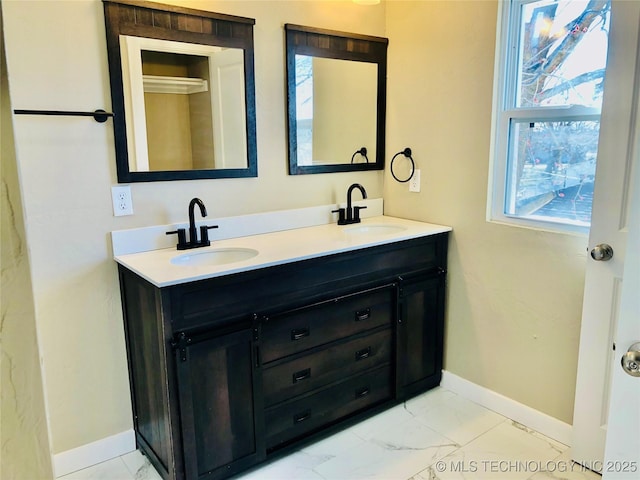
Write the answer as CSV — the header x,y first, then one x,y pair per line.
x,y
122,203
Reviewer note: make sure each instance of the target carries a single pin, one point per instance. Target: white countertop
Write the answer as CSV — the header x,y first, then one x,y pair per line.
x,y
276,248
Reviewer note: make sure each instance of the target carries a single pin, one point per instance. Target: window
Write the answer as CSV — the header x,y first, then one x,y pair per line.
x,y
304,108
548,95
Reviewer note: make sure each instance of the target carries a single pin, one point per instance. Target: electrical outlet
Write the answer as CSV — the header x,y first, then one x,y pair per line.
x,y
414,183
122,203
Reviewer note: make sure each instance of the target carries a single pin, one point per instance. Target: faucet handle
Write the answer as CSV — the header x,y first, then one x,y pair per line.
x,y
341,216
182,237
356,214
204,234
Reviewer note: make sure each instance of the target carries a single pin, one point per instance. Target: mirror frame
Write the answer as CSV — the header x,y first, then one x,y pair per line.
x,y
140,18
317,42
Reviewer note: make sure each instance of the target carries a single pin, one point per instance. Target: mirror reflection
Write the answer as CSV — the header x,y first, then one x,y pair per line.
x,y
184,105
336,93
183,92
335,110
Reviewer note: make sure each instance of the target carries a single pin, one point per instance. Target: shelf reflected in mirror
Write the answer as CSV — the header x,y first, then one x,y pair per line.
x,y
184,105
183,92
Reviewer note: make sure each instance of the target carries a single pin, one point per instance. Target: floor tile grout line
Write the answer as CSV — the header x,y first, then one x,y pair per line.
x,y
368,434
126,465
503,420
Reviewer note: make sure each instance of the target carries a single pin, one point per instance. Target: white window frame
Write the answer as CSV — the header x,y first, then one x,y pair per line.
x,y
504,114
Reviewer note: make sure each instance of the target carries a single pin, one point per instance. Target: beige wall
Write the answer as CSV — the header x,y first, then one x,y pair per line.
x,y
337,85
168,140
23,420
56,59
515,295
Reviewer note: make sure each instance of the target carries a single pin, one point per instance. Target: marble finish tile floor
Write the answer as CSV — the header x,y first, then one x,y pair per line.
x,y
435,436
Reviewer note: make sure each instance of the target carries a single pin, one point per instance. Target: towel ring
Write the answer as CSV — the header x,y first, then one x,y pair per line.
x,y
363,152
407,153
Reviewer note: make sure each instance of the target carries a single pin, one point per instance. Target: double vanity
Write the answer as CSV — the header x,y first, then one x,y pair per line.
x,y
243,350
248,336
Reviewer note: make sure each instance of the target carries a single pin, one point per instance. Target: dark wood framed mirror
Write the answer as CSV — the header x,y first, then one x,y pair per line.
x,y
183,92
336,100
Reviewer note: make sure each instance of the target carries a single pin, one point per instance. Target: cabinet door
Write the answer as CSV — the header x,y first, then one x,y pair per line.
x,y
217,385
420,334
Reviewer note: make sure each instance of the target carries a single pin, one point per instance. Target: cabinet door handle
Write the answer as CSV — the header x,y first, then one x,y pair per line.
x,y
362,392
301,375
298,333
301,417
362,354
363,314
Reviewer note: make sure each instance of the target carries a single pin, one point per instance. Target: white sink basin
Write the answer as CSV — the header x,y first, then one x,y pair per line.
x,y
219,256
384,229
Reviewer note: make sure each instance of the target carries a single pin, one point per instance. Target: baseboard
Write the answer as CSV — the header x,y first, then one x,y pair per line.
x,y
527,416
93,453
122,443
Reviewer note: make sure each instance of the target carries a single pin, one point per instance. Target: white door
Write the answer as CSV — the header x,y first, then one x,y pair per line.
x,y
603,285
229,112
622,450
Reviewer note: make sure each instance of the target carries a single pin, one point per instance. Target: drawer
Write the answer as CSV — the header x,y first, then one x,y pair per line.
x,y
310,372
297,330
294,419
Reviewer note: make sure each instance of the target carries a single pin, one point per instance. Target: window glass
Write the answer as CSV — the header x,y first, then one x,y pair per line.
x,y
563,53
552,170
552,68
304,108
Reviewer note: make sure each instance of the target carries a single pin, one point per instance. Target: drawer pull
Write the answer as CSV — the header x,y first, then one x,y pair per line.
x,y
301,375
301,417
362,392
362,354
298,333
363,314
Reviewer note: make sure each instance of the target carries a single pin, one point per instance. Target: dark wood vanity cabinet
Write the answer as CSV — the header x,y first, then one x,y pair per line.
x,y
216,380
420,334
228,372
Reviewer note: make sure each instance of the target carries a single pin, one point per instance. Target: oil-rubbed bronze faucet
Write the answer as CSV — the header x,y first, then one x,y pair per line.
x,y
350,214
193,233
